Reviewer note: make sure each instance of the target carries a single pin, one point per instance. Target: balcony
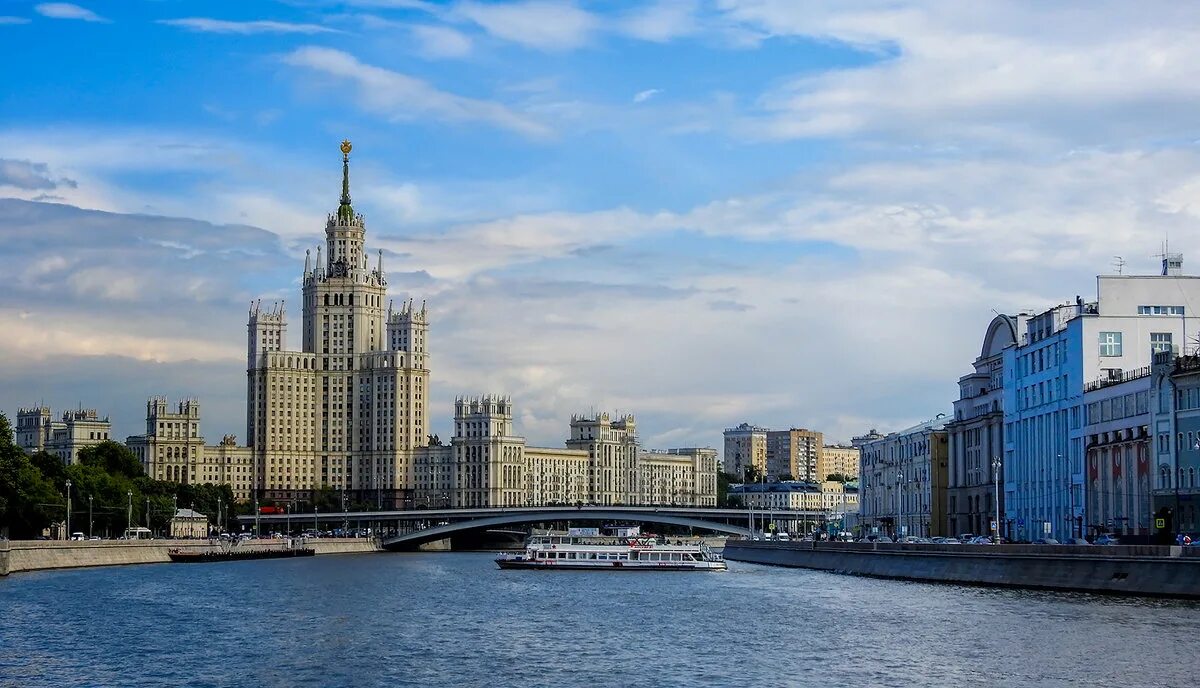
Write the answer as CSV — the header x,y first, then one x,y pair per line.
x,y
1116,377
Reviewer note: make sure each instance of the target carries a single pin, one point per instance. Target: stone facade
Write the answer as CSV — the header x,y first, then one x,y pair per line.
x,y
678,477
976,435
745,447
903,480
1117,453
37,431
349,408
173,449
1175,422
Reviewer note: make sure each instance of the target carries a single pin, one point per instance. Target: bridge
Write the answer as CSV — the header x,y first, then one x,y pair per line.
x,y
410,529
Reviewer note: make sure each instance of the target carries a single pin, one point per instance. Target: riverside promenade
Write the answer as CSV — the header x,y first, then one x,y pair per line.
x,y
1124,570
37,555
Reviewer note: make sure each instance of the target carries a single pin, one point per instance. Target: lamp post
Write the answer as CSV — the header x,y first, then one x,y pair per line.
x,y
68,507
996,477
147,513
89,517
129,513
174,511
900,503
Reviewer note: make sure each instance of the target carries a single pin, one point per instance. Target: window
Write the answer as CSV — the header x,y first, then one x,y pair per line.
x,y
1160,342
1110,343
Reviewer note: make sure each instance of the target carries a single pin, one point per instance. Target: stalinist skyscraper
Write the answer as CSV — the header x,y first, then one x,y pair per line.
x,y
349,408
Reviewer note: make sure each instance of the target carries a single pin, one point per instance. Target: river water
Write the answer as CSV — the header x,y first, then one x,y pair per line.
x,y
454,619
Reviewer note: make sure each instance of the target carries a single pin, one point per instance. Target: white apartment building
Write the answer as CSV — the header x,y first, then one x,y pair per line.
x,y
1061,350
37,431
678,477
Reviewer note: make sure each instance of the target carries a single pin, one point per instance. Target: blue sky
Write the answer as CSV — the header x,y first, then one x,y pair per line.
x,y
702,212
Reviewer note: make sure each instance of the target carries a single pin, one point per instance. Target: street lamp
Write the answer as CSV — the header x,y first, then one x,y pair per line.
x,y
68,507
129,513
89,517
147,513
996,477
899,503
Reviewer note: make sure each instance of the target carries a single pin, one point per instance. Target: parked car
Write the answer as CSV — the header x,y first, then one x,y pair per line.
x,y
979,540
1076,541
966,537
1107,539
1045,541
78,537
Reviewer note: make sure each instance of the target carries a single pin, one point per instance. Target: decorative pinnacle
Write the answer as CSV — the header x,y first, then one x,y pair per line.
x,y
345,211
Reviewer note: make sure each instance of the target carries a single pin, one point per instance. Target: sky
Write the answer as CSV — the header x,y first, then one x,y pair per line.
x,y
794,214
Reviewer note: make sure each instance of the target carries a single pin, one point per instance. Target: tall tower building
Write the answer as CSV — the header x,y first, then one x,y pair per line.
x,y
346,410
612,447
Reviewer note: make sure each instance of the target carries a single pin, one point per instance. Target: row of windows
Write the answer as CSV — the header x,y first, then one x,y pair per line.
x,y
1160,310
1117,408
1111,343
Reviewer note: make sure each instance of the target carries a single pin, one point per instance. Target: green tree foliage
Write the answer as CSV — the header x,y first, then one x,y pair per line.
x,y
28,500
837,478
113,457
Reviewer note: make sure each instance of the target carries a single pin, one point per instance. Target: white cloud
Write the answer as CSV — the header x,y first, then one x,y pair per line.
x,y
402,97
440,42
662,21
643,96
541,24
13,20
206,25
65,10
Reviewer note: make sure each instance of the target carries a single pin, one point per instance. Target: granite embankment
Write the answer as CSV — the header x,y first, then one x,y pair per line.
x,y
1127,570
36,555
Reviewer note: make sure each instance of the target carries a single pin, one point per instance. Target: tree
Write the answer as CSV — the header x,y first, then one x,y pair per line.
x,y
28,500
751,474
113,457
723,481
786,476
837,478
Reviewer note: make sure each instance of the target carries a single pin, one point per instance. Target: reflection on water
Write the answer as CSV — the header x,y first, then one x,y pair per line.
x,y
456,620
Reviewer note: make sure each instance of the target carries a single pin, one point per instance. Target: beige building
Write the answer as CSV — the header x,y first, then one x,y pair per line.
x,y
678,477
37,431
189,524
904,479
745,447
487,465
795,452
839,459
173,449
347,409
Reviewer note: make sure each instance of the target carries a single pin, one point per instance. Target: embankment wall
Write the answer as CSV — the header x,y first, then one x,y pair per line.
x,y
37,555
1136,570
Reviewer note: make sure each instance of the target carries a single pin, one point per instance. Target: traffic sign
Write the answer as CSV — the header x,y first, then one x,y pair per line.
x,y
1046,527
1021,522
993,525
770,526
1160,523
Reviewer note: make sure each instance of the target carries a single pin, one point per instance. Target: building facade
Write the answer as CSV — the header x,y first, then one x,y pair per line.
x,y
838,459
678,477
1061,350
37,431
1175,423
827,501
903,481
347,409
745,447
173,449
976,436
1117,453
796,453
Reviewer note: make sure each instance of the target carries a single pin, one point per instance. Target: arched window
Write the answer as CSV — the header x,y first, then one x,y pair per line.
x,y
327,299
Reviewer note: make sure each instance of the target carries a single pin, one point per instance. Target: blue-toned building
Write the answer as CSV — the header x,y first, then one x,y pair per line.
x,y
1060,352
1175,423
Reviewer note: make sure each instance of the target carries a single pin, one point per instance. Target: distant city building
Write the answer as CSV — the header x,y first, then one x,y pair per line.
x,y
829,500
839,460
36,431
976,435
795,452
1061,350
859,440
745,447
173,449
903,481
487,464
1174,401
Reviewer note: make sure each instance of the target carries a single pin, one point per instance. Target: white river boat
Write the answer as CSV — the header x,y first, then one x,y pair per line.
x,y
598,552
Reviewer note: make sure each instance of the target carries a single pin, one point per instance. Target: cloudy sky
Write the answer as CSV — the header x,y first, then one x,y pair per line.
x,y
702,212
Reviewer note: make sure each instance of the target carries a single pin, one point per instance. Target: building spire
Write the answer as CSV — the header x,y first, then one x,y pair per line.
x,y
345,211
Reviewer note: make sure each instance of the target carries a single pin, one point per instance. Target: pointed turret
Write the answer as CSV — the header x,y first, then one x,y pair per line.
x,y
345,210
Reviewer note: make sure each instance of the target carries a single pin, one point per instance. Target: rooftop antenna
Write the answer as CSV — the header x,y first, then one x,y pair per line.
x,y
1118,264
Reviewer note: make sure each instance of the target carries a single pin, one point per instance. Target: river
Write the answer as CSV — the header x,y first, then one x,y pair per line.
x,y
454,619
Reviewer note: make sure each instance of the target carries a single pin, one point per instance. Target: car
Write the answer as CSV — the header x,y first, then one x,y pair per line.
x,y
966,537
78,537
979,540
1076,541
1107,539
1045,541
94,538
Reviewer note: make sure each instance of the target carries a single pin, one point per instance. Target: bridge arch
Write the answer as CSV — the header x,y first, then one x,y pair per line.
x,y
412,540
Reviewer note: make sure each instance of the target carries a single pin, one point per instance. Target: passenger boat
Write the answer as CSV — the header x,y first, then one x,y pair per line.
x,y
636,553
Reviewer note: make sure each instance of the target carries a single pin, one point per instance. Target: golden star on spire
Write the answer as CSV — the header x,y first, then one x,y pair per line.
x,y
346,146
